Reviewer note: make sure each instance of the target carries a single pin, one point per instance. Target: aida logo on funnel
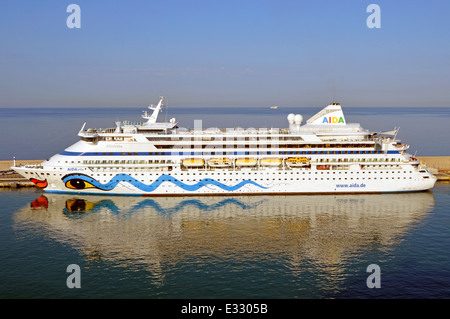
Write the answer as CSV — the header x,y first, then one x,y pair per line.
x,y
333,120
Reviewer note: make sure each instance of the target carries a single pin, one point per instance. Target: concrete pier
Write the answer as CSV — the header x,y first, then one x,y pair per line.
x,y
13,180
10,179
438,165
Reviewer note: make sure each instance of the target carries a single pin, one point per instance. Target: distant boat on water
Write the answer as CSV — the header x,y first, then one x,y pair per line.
x,y
274,107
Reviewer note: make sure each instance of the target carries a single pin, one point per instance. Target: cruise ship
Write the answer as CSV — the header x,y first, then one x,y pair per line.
x,y
324,155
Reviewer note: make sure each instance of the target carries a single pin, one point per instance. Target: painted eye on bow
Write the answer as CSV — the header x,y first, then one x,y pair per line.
x,y
77,183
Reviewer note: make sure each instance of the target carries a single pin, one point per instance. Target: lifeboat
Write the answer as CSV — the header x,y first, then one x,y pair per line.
x,y
246,162
297,161
270,162
323,167
219,162
193,162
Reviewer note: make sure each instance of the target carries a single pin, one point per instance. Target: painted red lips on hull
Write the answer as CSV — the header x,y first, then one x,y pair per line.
x,y
39,183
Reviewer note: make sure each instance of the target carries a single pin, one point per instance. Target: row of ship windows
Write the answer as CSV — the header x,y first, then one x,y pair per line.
x,y
293,172
125,162
376,169
292,179
261,173
198,139
321,160
225,139
222,139
237,146
286,179
225,153
229,138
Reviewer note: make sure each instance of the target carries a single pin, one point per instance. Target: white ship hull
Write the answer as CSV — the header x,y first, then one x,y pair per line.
x,y
244,182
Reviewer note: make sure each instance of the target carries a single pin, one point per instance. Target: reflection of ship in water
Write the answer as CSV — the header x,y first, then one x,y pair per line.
x,y
81,206
153,232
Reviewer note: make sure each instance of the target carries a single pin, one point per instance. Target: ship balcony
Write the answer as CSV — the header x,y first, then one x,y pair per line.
x,y
89,133
89,136
401,146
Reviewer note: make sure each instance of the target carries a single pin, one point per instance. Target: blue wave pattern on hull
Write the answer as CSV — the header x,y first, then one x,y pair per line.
x,y
153,186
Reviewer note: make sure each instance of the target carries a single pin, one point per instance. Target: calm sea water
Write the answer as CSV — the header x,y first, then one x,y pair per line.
x,y
222,247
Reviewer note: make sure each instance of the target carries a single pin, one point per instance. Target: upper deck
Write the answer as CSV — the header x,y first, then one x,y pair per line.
x,y
328,125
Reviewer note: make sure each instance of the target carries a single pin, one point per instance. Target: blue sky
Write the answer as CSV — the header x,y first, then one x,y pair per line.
x,y
224,53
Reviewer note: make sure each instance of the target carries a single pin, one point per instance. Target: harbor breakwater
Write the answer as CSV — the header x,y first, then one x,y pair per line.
x,y
9,178
439,163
